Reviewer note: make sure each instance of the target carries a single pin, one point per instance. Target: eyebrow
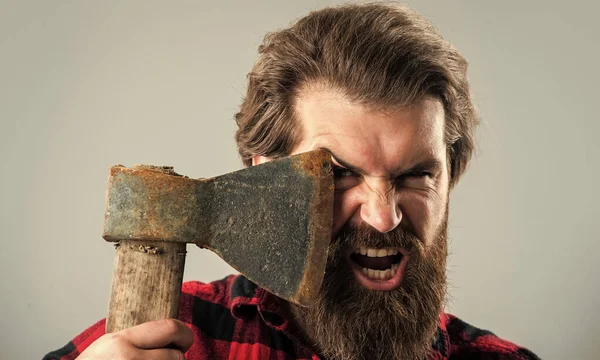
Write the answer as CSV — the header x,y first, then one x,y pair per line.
x,y
344,163
428,164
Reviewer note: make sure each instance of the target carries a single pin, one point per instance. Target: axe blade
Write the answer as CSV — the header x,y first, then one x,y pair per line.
x,y
271,222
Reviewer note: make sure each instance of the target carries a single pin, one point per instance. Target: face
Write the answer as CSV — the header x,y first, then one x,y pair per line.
x,y
386,268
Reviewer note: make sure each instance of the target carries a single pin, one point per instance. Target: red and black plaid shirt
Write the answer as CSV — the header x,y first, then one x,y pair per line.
x,y
234,319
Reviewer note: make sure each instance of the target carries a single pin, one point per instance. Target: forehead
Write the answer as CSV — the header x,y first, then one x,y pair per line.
x,y
381,139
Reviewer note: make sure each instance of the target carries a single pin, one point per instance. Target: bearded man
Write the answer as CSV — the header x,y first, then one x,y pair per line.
x,y
388,97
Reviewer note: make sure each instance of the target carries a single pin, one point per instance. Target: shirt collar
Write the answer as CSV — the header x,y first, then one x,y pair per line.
x,y
247,299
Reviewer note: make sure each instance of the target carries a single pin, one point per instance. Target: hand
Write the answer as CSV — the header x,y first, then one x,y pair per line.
x,y
166,339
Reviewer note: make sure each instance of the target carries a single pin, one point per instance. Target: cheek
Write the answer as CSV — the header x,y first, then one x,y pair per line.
x,y
345,206
424,214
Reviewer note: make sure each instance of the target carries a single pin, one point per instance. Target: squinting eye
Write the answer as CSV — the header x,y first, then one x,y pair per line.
x,y
345,178
419,174
414,180
340,172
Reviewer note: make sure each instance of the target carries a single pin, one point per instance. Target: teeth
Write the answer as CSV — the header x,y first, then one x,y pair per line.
x,y
372,252
377,275
387,274
380,274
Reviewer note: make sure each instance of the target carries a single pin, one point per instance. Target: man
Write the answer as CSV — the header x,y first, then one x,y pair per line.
x,y
389,98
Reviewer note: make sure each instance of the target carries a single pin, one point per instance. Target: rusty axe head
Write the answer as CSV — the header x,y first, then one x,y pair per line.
x,y
271,222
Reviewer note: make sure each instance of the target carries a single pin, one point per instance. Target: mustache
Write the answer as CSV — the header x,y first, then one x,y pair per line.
x,y
365,235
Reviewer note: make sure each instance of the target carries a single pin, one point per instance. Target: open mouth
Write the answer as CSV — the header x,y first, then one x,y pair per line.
x,y
378,269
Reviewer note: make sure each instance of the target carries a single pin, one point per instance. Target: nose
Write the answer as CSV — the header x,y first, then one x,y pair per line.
x,y
380,208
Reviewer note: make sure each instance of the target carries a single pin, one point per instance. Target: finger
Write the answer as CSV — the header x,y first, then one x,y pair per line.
x,y
163,354
159,334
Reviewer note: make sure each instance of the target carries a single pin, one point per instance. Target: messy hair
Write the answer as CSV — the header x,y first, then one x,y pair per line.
x,y
378,54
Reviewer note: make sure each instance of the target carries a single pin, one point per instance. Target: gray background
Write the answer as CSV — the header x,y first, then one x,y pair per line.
x,y
85,85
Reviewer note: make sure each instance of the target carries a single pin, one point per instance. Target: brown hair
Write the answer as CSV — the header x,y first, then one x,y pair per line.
x,y
378,54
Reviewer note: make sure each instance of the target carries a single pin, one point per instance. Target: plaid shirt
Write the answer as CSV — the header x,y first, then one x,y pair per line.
x,y
234,319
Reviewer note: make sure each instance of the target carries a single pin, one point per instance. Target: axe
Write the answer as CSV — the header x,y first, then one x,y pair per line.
x,y
271,222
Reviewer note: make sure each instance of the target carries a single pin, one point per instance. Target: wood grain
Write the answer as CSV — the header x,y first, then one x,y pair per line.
x,y
146,283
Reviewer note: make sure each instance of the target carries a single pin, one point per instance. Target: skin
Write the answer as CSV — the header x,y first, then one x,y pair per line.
x,y
378,178
166,339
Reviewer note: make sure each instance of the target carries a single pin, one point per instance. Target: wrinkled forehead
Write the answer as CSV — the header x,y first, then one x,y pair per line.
x,y
330,120
331,110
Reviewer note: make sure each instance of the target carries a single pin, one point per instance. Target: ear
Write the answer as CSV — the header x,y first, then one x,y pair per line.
x,y
259,159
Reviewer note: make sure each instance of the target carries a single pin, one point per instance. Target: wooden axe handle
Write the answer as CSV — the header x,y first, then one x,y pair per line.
x,y
146,283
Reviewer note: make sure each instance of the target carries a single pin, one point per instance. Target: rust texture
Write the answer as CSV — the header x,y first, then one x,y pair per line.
x,y
169,170
320,167
271,222
145,204
265,223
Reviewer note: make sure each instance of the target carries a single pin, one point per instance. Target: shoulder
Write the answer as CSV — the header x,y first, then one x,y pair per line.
x,y
230,319
469,342
221,292
215,308
203,303
215,290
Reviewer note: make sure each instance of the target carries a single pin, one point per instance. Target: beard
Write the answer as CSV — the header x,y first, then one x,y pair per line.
x,y
350,322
